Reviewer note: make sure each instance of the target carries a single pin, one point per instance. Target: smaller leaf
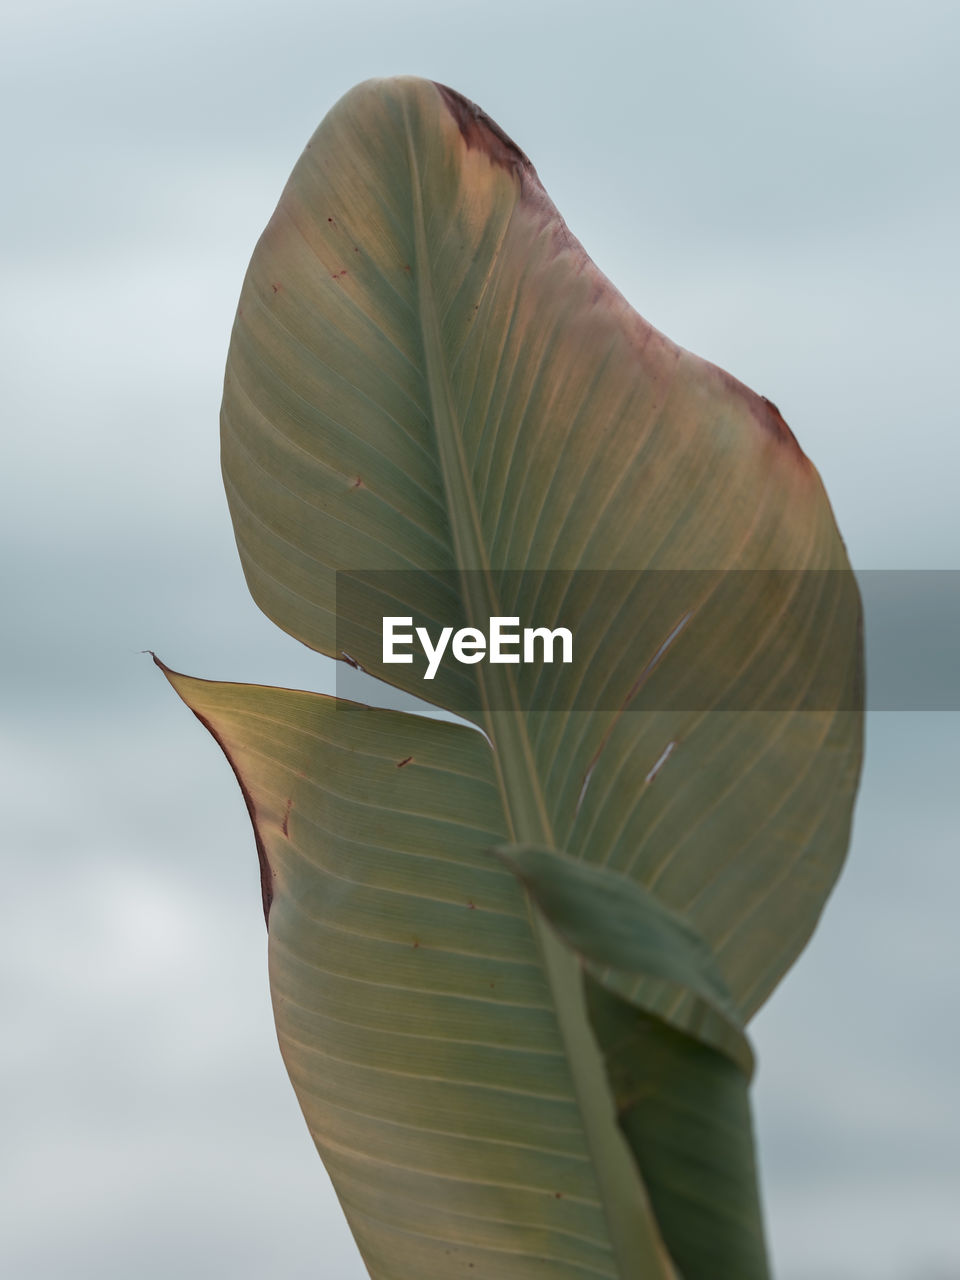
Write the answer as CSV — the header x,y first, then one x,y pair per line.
x,y
624,935
679,1083
685,1112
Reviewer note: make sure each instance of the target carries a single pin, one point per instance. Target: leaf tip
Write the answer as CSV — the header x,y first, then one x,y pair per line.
x,y
481,133
190,691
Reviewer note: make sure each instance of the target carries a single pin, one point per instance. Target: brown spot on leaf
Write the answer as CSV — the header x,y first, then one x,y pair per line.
x,y
471,906
284,825
358,483
276,288
402,763
776,422
480,132
763,411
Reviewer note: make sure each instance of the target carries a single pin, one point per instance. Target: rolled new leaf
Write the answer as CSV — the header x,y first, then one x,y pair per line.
x,y
681,1091
624,936
685,1110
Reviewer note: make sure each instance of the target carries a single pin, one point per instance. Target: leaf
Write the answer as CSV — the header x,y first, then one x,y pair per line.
x,y
685,1111
435,405
622,933
428,375
413,1010
680,1093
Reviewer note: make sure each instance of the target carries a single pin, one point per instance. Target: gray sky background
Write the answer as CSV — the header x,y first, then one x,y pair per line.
x,y
776,187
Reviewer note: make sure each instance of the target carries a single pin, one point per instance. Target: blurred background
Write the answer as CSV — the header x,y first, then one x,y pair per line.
x,y
776,187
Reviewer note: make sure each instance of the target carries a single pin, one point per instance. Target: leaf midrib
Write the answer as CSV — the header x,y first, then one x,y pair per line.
x,y
635,1241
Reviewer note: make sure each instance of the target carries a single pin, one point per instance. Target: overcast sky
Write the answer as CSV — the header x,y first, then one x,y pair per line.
x,y
775,186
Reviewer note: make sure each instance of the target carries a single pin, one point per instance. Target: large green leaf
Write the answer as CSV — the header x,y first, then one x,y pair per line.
x,y
429,382
428,373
